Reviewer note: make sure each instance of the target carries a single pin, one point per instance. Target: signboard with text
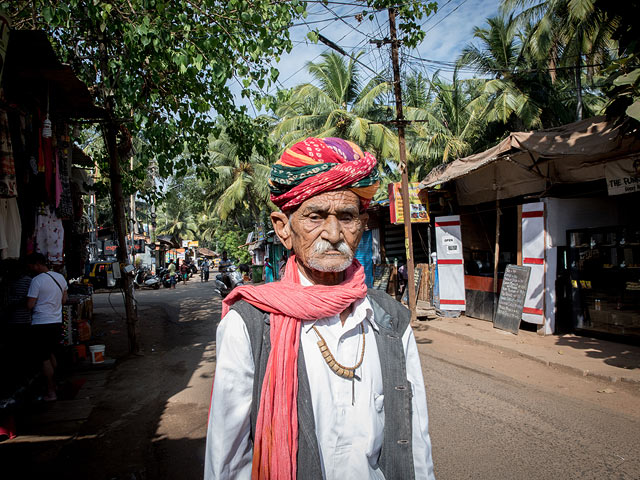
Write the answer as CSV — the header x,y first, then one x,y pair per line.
x,y
512,296
419,203
622,176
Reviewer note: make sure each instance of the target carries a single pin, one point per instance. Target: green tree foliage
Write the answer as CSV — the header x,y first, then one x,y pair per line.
x,y
448,126
231,241
337,105
623,75
506,95
167,64
235,183
175,216
572,37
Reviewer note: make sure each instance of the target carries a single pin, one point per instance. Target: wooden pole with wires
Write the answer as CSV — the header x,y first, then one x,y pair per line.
x,y
406,204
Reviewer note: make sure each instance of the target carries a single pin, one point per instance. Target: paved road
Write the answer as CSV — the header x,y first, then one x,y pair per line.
x,y
490,426
486,422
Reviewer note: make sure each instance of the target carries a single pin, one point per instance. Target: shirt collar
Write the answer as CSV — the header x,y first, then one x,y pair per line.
x,y
362,310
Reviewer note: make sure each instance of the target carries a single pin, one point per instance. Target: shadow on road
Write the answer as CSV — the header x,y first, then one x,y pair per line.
x,y
149,421
615,354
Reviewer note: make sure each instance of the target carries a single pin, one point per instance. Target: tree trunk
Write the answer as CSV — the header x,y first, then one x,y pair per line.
x,y
110,129
119,221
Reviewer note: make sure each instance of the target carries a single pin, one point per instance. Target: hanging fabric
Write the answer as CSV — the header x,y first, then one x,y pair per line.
x,y
65,207
10,228
8,186
49,235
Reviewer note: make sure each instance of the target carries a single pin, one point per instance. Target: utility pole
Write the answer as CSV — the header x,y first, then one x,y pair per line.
x,y
406,204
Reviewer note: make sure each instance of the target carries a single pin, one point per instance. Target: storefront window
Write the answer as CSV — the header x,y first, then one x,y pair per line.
x,y
604,266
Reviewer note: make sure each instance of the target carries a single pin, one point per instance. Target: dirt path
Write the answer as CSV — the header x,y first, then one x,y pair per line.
x,y
619,397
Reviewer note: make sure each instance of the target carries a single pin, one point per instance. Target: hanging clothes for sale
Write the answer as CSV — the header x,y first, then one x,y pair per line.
x,y
8,187
48,164
65,207
49,235
10,228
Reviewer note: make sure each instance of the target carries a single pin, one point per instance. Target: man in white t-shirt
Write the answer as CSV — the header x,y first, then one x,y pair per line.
x,y
47,293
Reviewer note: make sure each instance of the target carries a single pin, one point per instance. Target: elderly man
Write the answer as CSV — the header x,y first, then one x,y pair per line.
x,y
317,377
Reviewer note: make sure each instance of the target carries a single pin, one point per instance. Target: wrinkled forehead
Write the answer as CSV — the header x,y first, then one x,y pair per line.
x,y
337,201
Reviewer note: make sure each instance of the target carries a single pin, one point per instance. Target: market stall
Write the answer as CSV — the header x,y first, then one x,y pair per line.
x,y
42,189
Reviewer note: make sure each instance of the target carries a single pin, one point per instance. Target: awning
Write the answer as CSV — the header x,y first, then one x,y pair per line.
x,y
32,70
169,241
205,252
530,162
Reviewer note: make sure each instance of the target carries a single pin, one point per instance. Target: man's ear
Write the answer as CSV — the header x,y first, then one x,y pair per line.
x,y
282,228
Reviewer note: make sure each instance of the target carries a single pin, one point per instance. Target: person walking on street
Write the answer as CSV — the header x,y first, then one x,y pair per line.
x,y
316,376
184,271
268,271
47,293
18,328
204,270
172,274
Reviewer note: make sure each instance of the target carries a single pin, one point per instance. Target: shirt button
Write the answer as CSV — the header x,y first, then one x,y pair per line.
x,y
343,411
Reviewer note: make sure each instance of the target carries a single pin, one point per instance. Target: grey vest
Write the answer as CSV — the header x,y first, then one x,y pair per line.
x,y
396,456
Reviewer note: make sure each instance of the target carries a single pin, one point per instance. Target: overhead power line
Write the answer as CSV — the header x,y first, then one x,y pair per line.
x,y
447,15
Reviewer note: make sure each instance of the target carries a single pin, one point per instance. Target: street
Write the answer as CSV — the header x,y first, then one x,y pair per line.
x,y
491,416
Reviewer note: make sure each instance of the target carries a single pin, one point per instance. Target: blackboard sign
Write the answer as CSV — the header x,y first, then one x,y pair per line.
x,y
512,295
417,277
381,274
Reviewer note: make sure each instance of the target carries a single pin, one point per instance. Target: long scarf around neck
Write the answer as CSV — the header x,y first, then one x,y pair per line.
x,y
276,439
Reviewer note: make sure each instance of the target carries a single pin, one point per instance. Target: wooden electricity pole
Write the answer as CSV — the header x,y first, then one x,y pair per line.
x,y
406,203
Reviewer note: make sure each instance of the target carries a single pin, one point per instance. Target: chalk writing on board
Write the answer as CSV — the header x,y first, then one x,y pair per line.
x,y
512,296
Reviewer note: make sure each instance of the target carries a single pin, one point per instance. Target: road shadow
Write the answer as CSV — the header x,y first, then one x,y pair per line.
x,y
615,354
149,421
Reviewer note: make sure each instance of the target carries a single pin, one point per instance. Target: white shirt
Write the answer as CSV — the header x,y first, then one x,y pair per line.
x,y
48,307
349,435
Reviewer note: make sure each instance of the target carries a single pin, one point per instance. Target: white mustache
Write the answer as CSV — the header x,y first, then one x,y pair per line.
x,y
321,246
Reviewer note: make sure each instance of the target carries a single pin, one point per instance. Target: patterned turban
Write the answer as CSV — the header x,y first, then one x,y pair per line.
x,y
319,165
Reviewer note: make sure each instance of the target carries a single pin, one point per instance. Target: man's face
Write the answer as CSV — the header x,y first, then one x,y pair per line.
x,y
326,230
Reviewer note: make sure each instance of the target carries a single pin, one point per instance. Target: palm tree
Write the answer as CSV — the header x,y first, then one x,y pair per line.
x,y
338,106
507,95
448,123
174,216
568,35
236,185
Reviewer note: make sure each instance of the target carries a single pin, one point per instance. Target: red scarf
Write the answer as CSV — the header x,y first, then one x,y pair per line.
x,y
276,440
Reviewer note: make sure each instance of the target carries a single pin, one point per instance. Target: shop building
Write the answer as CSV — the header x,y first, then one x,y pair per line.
x,y
43,188
563,202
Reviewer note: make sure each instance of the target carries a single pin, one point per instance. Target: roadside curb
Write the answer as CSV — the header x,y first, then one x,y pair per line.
x,y
560,366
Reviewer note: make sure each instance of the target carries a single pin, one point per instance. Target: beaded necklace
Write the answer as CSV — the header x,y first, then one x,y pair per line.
x,y
343,371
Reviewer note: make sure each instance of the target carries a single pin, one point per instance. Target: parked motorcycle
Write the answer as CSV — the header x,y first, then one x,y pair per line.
x,y
144,278
228,279
163,274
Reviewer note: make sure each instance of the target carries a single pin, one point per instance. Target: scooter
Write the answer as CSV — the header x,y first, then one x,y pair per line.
x,y
228,279
163,274
144,278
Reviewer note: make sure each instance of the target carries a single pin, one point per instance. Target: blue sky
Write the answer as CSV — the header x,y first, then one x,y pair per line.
x,y
448,31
